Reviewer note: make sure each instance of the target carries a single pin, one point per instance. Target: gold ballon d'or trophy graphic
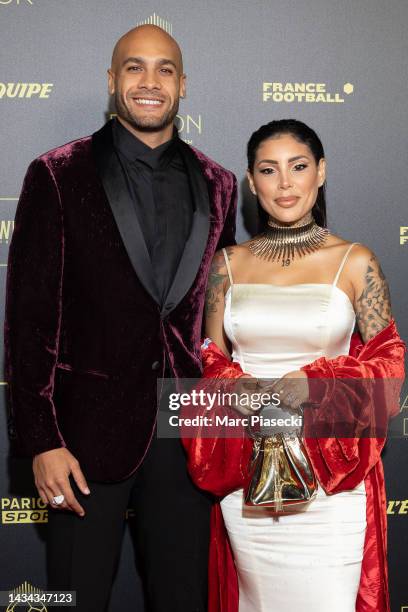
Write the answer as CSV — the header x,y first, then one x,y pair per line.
x,y
26,589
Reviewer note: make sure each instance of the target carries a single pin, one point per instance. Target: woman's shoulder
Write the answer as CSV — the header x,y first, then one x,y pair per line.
x,y
235,248
358,254
372,301
236,252
369,285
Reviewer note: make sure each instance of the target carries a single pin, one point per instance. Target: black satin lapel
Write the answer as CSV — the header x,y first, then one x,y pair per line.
x,y
195,246
114,184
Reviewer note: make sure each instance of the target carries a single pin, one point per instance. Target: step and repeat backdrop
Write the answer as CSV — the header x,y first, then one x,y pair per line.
x,y
338,65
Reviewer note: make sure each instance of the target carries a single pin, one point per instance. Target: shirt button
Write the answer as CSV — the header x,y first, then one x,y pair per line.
x,y
155,365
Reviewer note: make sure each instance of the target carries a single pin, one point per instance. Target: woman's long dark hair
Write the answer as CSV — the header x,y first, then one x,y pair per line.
x,y
303,133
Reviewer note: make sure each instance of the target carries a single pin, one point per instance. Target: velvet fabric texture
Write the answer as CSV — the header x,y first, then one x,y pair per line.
x,y
220,465
85,337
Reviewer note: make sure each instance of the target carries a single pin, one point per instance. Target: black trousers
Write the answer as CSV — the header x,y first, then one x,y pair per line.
x,y
171,527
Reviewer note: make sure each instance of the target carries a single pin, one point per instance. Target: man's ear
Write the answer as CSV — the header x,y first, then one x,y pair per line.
x,y
111,82
183,85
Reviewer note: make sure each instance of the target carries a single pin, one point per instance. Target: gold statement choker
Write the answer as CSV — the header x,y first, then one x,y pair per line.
x,y
279,243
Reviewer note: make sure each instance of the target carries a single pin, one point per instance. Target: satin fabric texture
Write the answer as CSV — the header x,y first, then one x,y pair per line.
x,y
220,466
274,330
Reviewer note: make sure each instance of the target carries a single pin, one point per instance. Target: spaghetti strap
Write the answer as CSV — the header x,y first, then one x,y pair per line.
x,y
343,261
227,263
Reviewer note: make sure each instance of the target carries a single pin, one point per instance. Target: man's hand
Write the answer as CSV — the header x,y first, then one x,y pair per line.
x,y
51,473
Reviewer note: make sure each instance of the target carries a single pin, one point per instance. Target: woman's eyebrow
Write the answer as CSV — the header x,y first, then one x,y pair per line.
x,y
273,161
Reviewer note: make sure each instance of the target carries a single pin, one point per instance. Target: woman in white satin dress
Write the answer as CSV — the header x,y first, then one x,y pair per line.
x,y
273,317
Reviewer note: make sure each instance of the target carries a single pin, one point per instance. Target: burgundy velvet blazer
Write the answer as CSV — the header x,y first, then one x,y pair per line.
x,y
85,336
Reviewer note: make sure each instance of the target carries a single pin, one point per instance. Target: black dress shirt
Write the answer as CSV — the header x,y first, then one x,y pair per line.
x,y
160,191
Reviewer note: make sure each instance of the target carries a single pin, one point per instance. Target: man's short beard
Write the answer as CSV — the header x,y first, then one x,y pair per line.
x,y
150,124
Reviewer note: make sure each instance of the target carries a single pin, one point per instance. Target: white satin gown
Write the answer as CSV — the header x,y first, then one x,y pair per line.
x,y
308,561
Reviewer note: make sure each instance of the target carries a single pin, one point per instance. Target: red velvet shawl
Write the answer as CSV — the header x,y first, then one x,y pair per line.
x,y
218,465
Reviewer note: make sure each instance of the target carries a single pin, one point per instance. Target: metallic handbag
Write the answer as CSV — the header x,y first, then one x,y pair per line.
x,y
282,477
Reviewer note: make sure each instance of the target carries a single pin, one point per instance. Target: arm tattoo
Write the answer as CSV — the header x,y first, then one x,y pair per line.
x,y
216,280
373,310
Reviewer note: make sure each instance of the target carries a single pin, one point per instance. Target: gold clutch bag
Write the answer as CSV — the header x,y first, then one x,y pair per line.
x,y
282,477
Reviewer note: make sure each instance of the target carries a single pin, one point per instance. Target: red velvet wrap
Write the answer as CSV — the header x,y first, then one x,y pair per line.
x,y
219,466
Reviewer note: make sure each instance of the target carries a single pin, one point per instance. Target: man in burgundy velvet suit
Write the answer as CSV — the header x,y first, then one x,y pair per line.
x,y
114,235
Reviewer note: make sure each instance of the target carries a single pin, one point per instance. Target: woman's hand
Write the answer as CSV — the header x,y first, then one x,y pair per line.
x,y
293,390
246,388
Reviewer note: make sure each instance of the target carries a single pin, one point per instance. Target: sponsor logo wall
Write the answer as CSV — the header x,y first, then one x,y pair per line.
x,y
333,65
16,2
26,90
303,92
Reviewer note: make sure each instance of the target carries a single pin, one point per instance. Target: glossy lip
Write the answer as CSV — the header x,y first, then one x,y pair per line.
x,y
288,201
